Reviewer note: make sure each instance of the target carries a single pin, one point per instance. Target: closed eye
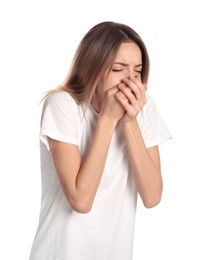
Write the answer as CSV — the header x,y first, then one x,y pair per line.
x,y
116,70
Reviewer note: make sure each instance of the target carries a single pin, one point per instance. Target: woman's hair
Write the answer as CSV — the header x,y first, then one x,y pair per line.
x,y
94,55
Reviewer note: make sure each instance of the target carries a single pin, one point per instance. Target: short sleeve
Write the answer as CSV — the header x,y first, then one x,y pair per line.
x,y
153,127
59,119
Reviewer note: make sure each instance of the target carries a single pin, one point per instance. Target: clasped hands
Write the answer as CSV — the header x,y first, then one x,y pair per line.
x,y
130,95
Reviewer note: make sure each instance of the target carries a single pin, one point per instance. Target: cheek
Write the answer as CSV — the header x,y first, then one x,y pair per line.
x,y
104,86
113,81
109,82
101,89
107,85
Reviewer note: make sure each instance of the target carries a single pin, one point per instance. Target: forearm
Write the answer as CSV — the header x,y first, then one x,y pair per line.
x,y
146,173
92,166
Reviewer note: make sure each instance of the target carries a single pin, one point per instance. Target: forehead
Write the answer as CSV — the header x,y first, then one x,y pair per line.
x,y
128,52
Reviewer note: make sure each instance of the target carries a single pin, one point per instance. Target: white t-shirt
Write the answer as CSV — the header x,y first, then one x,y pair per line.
x,y
106,232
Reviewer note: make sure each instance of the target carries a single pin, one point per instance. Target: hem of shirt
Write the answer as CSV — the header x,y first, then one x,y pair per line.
x,y
157,141
66,139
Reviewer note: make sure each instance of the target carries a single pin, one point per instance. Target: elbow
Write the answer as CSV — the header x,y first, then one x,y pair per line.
x,y
81,209
153,197
152,202
80,206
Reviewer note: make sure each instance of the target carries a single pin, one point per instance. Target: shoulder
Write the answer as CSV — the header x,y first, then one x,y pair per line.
x,y
60,98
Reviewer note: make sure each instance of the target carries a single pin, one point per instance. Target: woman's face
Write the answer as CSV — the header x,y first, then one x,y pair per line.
x,y
128,63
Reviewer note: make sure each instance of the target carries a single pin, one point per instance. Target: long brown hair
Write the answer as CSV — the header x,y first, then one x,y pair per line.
x,y
94,55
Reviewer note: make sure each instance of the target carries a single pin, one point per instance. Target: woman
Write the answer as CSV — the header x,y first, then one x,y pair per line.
x,y
99,148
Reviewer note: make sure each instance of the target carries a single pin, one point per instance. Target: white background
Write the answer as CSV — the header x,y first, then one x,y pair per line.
x,y
37,41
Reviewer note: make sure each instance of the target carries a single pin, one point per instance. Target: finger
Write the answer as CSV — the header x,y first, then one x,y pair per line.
x,y
135,85
121,87
132,105
112,91
135,93
135,89
127,93
131,112
124,101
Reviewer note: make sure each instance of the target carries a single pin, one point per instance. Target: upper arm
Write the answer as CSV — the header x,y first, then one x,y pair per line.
x,y
67,160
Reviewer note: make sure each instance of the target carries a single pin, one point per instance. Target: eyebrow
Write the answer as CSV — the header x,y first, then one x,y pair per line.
x,y
124,64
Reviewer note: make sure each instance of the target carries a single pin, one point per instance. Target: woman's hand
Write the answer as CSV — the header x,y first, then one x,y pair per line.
x,y
132,97
110,107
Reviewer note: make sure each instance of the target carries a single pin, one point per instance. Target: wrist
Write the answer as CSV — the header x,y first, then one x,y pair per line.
x,y
129,122
107,121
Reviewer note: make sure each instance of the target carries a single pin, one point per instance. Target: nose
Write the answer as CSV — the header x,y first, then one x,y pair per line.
x,y
133,74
